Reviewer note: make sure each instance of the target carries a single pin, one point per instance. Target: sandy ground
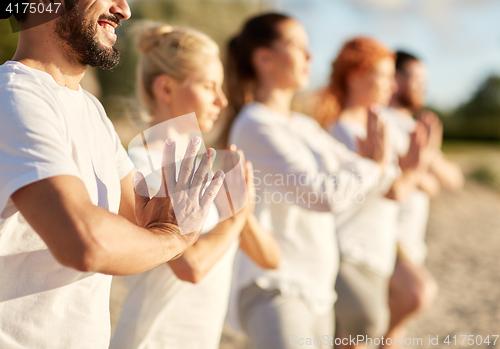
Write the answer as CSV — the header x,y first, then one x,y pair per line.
x,y
464,244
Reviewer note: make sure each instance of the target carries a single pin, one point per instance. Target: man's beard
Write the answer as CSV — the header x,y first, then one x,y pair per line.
x,y
407,100
81,37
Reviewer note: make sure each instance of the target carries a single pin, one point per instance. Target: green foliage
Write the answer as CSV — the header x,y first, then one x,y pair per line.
x,y
485,102
479,118
8,41
486,175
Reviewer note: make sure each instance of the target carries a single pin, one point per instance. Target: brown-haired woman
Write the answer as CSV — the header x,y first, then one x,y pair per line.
x,y
363,76
299,176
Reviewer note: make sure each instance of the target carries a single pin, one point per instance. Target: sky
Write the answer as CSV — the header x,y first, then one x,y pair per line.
x,y
459,40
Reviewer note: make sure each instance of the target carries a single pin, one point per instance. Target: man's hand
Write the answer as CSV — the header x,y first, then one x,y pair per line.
x,y
180,207
434,128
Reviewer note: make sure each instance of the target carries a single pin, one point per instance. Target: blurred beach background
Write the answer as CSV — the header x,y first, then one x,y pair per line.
x,y
459,41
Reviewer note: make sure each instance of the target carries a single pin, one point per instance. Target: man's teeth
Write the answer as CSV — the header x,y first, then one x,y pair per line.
x,y
108,27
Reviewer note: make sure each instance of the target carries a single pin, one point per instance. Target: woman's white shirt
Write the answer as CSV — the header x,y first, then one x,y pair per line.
x,y
300,173
162,311
367,233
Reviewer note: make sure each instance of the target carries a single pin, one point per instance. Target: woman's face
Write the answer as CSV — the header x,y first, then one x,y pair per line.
x,y
289,57
201,93
377,85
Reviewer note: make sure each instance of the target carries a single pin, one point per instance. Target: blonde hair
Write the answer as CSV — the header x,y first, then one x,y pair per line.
x,y
173,51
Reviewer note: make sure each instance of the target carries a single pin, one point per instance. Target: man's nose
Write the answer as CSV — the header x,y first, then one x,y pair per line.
x,y
121,9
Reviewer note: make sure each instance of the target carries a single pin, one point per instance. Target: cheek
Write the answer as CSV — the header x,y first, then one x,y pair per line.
x,y
385,86
295,69
187,101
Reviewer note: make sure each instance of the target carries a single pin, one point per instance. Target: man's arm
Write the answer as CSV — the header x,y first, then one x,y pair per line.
x,y
86,237
83,236
448,174
127,200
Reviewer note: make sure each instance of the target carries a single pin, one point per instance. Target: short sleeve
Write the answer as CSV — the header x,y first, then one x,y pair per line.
x,y
123,163
33,143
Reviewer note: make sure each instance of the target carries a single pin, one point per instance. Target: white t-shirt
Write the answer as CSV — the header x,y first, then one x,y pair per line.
x,y
367,233
162,311
47,130
414,211
295,162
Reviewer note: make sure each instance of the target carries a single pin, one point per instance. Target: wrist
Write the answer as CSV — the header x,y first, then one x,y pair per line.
x,y
175,243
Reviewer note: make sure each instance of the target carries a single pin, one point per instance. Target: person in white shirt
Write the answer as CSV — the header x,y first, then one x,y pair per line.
x,y
363,77
412,287
67,212
302,176
183,304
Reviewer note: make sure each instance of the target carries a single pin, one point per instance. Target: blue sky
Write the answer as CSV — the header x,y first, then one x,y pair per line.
x,y
458,39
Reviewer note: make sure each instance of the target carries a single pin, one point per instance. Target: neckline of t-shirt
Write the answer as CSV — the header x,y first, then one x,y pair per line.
x,y
281,116
45,77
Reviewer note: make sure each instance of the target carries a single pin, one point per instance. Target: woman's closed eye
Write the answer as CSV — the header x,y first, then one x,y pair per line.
x,y
210,85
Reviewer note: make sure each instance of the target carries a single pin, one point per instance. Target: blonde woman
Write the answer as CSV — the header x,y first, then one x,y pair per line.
x,y
182,304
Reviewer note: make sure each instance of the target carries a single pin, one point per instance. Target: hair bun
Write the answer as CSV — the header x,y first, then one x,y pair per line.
x,y
152,35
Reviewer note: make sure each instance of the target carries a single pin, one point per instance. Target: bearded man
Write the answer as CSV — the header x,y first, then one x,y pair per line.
x,y
68,211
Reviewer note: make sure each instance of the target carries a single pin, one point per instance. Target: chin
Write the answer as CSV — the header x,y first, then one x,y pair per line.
x,y
206,126
301,84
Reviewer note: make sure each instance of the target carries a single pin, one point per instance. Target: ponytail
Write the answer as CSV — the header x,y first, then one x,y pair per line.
x,y
241,77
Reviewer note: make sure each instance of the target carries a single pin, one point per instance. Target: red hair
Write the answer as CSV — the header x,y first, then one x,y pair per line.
x,y
360,54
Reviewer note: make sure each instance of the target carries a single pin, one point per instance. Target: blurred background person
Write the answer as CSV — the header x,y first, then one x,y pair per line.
x,y
182,304
412,287
296,166
362,80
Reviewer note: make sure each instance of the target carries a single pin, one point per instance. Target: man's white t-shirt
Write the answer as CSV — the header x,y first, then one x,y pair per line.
x,y
46,131
414,210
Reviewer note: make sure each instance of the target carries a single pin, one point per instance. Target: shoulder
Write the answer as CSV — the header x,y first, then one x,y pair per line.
x,y
19,83
27,101
347,133
307,121
252,114
252,120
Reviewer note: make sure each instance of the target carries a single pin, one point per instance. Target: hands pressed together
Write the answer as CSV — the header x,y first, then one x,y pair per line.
x,y
181,206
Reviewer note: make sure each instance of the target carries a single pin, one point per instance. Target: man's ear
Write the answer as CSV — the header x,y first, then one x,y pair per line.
x,y
162,89
262,59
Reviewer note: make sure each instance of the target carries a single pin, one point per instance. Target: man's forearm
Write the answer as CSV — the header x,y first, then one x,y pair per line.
x,y
118,247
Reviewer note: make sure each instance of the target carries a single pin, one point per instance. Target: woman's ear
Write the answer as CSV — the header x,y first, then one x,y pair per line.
x,y
162,89
262,59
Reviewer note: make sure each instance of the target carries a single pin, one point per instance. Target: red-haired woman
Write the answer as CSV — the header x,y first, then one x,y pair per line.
x,y
363,80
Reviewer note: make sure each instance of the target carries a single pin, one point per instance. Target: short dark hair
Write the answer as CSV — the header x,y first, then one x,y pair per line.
x,y
402,58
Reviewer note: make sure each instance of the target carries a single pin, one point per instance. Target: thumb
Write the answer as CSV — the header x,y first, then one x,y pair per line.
x,y
140,190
